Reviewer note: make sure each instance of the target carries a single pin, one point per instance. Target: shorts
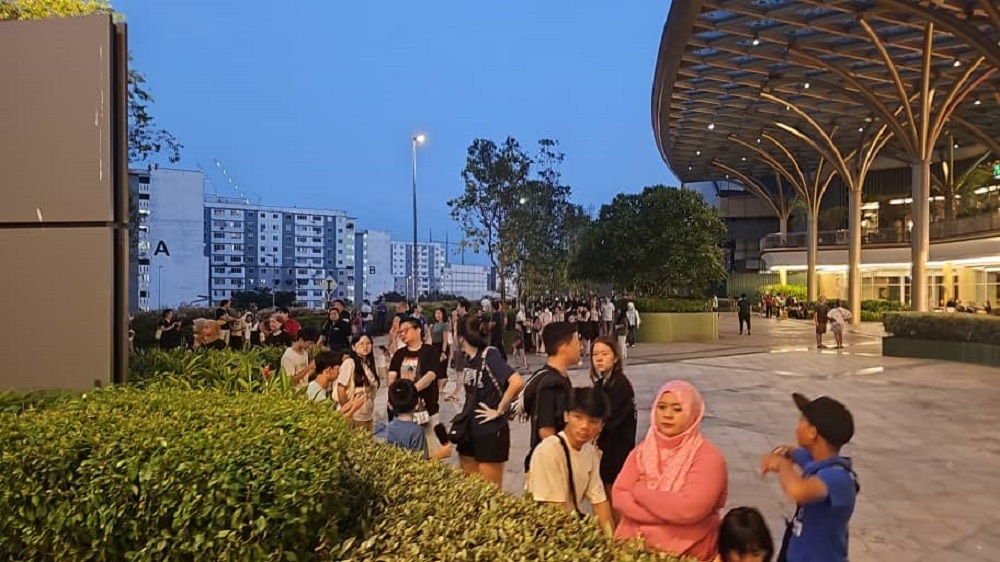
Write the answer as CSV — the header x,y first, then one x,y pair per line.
x,y
490,448
836,327
820,329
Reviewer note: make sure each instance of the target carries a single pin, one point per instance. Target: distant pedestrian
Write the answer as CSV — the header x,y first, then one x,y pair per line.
x,y
820,319
743,312
839,317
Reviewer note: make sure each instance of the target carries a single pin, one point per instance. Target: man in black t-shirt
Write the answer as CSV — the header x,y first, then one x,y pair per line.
x,y
743,308
547,395
494,313
420,363
820,319
336,333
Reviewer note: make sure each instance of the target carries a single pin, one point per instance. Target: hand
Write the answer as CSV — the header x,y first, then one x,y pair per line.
x,y
772,462
444,452
485,413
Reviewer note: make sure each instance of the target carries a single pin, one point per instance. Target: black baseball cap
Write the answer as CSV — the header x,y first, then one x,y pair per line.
x,y
832,420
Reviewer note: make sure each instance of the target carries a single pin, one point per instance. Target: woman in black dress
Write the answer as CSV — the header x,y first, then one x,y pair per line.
x,y
617,439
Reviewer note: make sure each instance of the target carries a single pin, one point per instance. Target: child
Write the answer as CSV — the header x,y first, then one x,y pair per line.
x,y
744,536
819,479
402,431
838,317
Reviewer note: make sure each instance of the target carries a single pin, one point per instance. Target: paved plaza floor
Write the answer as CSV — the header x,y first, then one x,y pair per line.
x,y
926,449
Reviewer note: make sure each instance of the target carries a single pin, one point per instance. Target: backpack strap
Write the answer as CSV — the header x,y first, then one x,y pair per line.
x,y
569,474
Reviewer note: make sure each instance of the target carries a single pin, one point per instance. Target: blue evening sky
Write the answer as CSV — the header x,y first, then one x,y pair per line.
x,y
313,103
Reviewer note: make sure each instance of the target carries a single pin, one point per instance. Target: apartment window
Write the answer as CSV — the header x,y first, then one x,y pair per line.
x,y
288,238
274,215
219,247
219,269
218,213
218,235
263,215
238,247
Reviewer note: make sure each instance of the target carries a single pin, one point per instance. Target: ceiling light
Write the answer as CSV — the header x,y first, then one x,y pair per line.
x,y
697,153
727,176
806,85
711,126
956,145
861,129
744,158
957,63
758,140
755,41
689,168
978,102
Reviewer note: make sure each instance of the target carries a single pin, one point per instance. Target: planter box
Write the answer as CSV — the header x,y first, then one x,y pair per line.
x,y
965,352
666,327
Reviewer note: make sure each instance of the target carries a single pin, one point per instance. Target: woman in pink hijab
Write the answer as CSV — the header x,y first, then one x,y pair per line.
x,y
674,483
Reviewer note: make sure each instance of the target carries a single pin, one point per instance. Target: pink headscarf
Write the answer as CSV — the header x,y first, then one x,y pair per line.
x,y
665,461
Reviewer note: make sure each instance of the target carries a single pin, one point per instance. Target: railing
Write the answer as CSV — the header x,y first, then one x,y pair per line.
x,y
941,230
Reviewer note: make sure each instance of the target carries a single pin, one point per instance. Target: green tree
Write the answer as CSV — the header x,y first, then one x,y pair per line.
x,y
145,138
495,178
663,242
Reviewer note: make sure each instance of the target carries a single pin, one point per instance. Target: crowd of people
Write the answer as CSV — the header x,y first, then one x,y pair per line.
x,y
667,488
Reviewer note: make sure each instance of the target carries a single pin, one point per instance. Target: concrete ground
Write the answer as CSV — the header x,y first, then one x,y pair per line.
x,y
927,446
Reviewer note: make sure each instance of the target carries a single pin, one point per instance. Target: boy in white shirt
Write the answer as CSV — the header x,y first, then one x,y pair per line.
x,y
327,369
572,451
838,317
295,360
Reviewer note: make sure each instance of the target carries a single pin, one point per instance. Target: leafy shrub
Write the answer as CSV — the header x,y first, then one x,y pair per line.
x,y
17,402
227,370
883,306
668,305
798,291
125,474
940,326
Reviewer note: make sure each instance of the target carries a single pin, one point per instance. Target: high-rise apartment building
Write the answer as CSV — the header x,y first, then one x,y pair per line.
x,y
373,260
168,265
253,247
432,258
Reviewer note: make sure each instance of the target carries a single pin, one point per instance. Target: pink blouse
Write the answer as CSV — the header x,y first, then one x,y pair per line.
x,y
683,522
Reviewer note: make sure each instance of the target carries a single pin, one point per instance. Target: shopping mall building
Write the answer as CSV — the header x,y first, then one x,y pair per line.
x,y
854,140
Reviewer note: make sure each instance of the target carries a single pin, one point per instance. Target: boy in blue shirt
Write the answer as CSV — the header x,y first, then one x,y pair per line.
x,y
820,481
402,431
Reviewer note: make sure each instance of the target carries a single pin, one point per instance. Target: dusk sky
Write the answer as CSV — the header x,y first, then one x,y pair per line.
x,y
313,104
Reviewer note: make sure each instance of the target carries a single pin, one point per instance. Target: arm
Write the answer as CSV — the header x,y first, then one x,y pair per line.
x,y
798,489
430,363
706,482
303,372
546,408
622,493
604,518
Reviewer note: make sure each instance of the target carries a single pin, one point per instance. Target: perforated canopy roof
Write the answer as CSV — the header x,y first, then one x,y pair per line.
x,y
717,57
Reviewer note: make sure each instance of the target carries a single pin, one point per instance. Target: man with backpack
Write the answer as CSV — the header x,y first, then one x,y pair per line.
x,y
743,307
546,395
820,481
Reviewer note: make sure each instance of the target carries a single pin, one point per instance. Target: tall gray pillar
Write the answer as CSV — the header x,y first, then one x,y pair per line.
x,y
854,256
812,245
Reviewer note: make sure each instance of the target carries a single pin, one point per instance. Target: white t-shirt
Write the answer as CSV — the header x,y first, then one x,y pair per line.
x,y
346,379
547,477
608,312
839,316
294,361
316,393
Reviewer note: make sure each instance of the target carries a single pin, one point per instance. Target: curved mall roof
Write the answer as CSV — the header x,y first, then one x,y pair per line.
x,y
718,57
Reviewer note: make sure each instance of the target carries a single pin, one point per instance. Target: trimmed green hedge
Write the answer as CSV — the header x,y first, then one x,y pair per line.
x,y
944,326
798,291
668,305
125,474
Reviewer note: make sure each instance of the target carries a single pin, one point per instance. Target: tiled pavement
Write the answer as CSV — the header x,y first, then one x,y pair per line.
x,y
927,447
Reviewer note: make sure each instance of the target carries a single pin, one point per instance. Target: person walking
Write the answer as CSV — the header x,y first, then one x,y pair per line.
x,y
743,310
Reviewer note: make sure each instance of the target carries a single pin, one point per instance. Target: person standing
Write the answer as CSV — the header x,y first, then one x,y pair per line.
x,y
617,439
416,361
820,319
743,310
634,321
819,479
838,317
490,387
564,468
547,394
674,483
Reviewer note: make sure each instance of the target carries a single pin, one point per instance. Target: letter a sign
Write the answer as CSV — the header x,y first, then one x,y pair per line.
x,y
161,248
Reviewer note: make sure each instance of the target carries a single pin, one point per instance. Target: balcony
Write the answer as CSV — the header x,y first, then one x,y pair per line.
x,y
969,227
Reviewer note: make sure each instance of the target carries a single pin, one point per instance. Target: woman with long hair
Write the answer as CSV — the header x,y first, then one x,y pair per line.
x,y
674,483
439,341
490,386
359,376
617,439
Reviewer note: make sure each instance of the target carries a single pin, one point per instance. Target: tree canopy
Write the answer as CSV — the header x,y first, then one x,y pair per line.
x,y
663,242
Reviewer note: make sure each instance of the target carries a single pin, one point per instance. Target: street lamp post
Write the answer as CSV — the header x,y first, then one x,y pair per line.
x,y
417,139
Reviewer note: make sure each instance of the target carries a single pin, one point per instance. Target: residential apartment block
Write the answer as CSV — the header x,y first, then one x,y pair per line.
x,y
253,247
373,259
168,265
431,259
